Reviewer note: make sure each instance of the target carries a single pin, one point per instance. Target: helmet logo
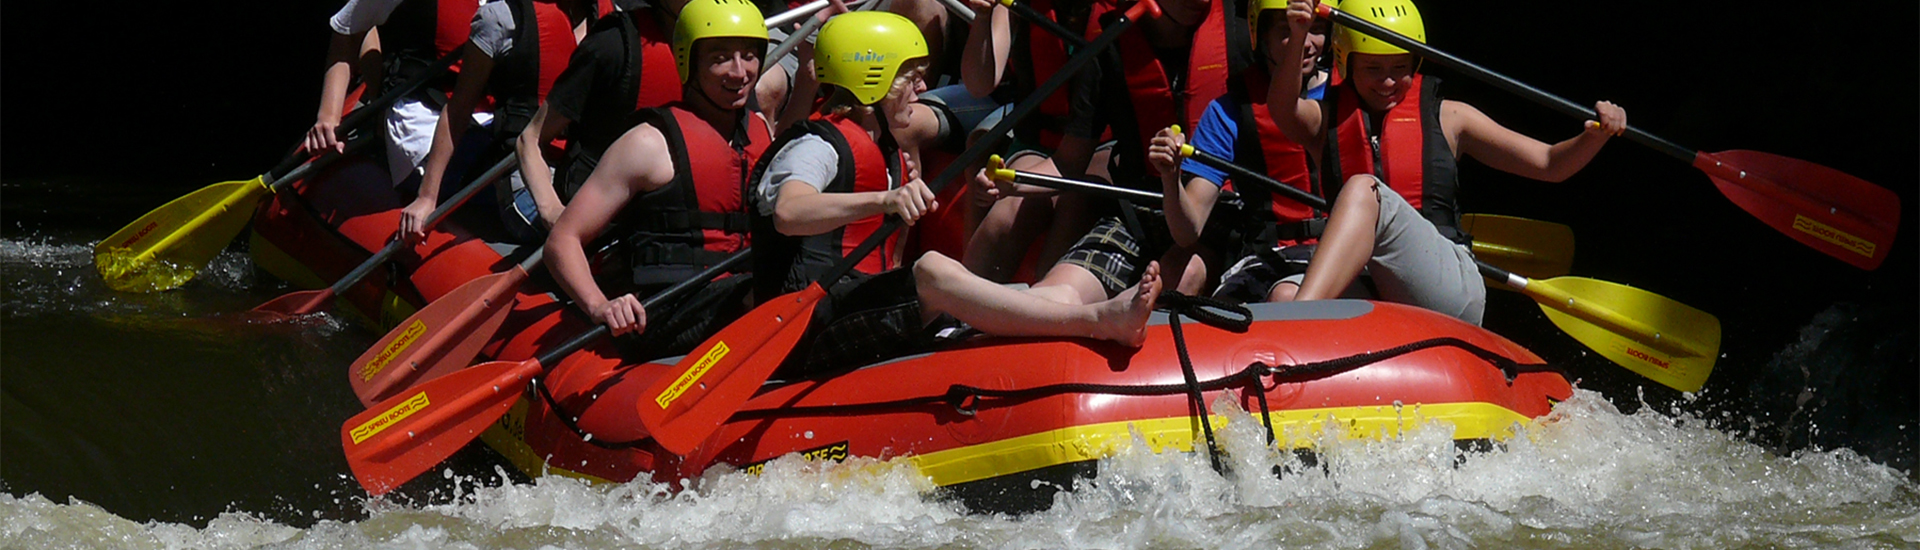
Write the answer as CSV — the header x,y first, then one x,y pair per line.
x,y
1381,11
867,57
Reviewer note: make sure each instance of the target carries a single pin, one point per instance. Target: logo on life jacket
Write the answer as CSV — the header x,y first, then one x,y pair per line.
x,y
692,375
1827,233
393,416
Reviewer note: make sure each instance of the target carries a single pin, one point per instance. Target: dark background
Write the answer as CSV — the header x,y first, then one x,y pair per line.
x,y
106,107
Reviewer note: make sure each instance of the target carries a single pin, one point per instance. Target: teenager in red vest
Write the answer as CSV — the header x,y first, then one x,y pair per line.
x,y
1237,127
673,189
828,185
1390,143
624,63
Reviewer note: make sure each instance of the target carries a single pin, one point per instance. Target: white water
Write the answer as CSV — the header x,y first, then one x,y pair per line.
x,y
1587,476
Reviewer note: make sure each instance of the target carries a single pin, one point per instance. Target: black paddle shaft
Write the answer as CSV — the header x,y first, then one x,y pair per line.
x,y
999,132
1311,200
1498,80
554,355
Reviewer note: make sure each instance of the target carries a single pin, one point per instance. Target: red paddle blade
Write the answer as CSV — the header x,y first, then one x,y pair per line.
x,y
403,437
442,338
1838,214
692,399
297,303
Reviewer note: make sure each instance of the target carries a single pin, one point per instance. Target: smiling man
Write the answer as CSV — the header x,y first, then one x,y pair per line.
x,y
672,189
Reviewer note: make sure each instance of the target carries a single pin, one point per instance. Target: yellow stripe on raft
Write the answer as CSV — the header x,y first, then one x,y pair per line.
x,y
1082,443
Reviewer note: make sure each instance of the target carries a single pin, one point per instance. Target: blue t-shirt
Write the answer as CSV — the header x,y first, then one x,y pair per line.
x,y
1216,133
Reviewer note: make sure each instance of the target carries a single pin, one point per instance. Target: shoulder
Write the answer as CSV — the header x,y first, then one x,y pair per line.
x,y
1458,116
807,146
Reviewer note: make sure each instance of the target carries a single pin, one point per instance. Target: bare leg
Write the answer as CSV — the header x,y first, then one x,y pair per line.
x,y
1010,226
1347,243
1185,270
1283,292
947,287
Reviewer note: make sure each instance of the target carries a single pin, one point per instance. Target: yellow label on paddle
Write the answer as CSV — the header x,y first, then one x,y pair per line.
x,y
692,375
393,416
400,344
1827,233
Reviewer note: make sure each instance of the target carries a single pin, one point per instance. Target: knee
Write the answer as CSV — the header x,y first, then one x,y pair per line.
x,y
933,267
1360,185
1283,292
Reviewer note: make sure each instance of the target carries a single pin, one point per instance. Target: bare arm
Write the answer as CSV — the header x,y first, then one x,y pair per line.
x,y
1187,203
475,66
342,52
630,167
802,210
546,126
983,62
1298,118
1506,150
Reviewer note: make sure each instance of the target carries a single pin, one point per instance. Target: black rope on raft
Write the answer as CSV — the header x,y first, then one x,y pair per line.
x,y
571,422
1197,401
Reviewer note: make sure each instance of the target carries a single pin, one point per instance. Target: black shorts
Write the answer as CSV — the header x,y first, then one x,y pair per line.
x,y
1252,278
677,327
864,320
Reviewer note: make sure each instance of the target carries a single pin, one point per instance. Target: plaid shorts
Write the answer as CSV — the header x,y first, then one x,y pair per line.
x,y
1114,255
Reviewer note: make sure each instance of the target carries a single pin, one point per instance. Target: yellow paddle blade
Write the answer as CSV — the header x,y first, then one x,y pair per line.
x,y
1664,340
1532,248
165,248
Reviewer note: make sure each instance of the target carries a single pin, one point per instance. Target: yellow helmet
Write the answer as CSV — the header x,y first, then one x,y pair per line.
x,y
713,19
1396,15
1257,7
863,51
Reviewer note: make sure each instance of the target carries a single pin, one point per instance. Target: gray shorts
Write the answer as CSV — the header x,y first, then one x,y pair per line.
x,y
1413,264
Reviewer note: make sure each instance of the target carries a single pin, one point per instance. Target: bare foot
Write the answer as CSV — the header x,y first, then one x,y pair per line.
x,y
1123,319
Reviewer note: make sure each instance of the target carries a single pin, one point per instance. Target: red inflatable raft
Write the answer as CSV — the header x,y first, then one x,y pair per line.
x,y
983,417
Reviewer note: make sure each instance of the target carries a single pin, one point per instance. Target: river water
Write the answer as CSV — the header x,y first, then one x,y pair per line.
x,y
171,421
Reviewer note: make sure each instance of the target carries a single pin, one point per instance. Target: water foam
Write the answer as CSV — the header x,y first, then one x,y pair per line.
x,y
1588,475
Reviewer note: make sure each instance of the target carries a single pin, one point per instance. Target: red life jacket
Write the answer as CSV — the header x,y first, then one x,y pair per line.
x,y
647,78
1262,147
419,33
1211,64
1412,156
651,77
1045,54
543,42
873,169
787,264
700,217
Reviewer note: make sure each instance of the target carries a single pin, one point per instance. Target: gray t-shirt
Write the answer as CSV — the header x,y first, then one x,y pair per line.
x,y
493,29
360,16
807,158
